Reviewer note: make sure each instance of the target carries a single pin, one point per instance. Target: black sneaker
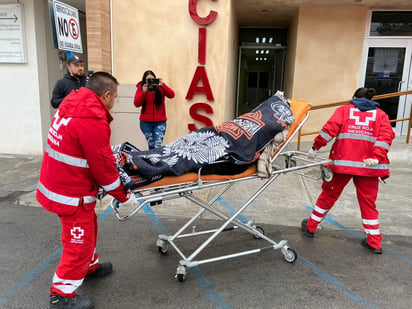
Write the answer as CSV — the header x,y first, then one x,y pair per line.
x,y
305,229
102,270
77,302
374,250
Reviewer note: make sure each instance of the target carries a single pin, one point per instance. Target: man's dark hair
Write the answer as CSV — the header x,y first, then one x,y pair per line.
x,y
100,82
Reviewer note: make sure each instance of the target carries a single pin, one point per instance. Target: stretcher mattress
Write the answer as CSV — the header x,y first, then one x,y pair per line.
x,y
299,110
243,139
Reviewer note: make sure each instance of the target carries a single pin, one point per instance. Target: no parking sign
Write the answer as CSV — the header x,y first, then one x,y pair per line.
x,y
66,19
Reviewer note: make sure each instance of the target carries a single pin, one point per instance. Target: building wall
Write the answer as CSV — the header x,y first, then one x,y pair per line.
x,y
323,62
291,56
229,105
328,57
164,38
128,37
22,89
26,87
99,35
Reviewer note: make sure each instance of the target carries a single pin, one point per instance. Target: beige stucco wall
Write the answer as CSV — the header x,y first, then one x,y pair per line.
x,y
164,38
229,105
291,55
328,57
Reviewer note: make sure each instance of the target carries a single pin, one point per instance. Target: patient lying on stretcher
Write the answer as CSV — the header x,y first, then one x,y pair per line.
x,y
238,142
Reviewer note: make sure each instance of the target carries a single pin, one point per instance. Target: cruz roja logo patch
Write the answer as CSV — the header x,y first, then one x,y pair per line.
x,y
77,233
362,118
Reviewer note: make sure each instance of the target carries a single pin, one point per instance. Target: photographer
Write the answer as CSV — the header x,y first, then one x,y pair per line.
x,y
150,95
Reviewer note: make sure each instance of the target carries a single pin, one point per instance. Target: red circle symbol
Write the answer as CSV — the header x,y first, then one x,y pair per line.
x,y
74,29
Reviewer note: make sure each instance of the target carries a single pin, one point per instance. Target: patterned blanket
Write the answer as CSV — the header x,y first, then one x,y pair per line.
x,y
238,142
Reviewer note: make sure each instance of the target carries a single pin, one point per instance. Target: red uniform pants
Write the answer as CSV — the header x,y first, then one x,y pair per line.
x,y
79,236
366,191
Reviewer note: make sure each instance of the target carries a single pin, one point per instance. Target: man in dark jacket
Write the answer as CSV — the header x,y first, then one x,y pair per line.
x,y
74,79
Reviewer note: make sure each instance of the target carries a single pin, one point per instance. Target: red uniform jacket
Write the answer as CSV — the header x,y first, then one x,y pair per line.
x,y
151,111
359,135
78,157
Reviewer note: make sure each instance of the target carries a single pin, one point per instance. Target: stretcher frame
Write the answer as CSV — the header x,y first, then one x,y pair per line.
x,y
295,162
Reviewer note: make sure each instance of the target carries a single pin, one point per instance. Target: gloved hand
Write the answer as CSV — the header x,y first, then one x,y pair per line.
x,y
131,201
370,162
312,153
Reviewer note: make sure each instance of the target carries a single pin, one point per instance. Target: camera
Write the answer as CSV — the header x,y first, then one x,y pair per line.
x,y
152,83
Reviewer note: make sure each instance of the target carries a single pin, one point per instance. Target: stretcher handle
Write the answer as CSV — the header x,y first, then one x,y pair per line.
x,y
115,205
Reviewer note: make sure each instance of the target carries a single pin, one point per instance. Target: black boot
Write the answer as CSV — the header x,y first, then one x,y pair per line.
x,y
102,270
305,229
77,302
374,250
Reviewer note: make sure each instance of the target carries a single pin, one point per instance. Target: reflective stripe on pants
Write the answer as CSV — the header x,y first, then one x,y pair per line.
x,y
366,191
79,236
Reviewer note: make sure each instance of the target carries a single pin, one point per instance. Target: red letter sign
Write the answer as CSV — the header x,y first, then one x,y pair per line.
x,y
201,56
200,75
200,20
203,119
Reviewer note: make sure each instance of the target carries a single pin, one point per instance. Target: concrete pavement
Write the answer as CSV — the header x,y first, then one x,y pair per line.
x,y
332,270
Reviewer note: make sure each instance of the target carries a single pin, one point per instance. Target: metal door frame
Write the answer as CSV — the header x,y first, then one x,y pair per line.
x,y
406,82
255,46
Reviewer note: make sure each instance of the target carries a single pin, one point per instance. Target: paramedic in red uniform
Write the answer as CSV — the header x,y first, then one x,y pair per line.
x,y
363,135
77,160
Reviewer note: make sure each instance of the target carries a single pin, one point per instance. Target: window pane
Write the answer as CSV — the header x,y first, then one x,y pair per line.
x,y
391,24
384,73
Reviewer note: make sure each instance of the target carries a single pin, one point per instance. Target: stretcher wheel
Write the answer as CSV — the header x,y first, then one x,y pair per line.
x,y
260,230
162,246
181,277
180,273
290,255
163,249
327,174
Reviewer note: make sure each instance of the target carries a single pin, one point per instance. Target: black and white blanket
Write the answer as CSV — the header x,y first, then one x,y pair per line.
x,y
238,142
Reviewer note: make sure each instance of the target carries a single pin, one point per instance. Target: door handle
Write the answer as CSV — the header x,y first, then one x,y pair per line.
x,y
400,85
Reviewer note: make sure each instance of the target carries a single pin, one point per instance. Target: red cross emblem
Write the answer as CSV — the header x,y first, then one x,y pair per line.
x,y
362,118
77,232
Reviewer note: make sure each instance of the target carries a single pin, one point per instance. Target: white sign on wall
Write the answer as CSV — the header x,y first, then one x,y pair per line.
x,y
12,40
67,25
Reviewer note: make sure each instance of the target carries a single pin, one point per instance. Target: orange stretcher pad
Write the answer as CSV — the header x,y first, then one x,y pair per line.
x,y
299,109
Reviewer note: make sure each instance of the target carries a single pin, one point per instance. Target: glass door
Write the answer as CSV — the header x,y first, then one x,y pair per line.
x,y
260,75
387,68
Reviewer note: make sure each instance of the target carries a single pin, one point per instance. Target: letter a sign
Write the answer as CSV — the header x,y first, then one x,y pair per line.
x,y
66,19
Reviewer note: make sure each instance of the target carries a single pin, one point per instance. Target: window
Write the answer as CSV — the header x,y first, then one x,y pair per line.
x,y
391,23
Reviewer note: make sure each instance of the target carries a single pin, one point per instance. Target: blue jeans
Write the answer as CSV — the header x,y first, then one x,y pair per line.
x,y
154,132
